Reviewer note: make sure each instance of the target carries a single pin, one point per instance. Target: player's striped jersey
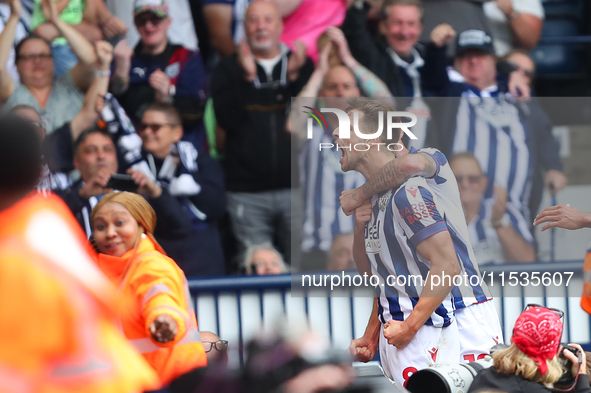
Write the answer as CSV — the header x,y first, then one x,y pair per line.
x,y
402,219
323,181
484,238
491,129
445,187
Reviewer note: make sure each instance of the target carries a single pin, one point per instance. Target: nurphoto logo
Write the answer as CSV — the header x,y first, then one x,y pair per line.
x,y
392,122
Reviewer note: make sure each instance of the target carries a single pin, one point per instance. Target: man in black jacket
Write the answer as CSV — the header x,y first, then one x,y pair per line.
x,y
394,57
194,246
251,92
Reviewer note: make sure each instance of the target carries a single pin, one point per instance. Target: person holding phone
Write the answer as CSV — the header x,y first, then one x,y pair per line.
x,y
95,156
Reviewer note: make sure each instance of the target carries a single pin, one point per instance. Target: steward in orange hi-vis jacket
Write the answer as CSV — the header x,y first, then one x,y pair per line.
x,y
152,286
58,330
586,296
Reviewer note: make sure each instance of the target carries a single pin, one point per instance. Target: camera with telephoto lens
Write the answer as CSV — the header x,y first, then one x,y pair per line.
x,y
567,380
449,377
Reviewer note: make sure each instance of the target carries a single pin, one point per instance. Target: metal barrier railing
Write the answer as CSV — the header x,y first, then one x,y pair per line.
x,y
239,308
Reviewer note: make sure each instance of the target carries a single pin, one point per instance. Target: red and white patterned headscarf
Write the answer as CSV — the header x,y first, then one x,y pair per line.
x,y
537,333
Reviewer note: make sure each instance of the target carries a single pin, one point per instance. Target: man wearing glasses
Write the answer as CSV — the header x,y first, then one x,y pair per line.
x,y
158,70
498,232
215,348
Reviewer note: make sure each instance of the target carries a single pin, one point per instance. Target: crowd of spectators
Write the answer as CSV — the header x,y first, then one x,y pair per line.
x,y
193,104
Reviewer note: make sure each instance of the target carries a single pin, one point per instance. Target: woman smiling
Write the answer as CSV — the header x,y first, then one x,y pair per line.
x,y
158,316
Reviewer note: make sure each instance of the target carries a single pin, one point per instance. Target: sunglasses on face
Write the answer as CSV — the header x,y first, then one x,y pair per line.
x,y
526,72
154,127
219,345
473,179
141,21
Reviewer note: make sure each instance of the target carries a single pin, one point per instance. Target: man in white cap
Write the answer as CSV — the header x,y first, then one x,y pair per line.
x,y
157,70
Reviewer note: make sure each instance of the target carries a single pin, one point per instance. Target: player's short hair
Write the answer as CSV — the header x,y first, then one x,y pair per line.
x,y
86,133
371,117
385,8
512,360
466,155
20,154
172,114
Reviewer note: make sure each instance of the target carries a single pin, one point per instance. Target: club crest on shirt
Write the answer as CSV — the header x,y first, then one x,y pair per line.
x,y
172,71
384,199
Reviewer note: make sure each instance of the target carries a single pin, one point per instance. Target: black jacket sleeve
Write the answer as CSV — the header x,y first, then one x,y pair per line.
x,y
171,220
582,385
228,92
434,79
58,149
211,200
72,198
305,72
361,43
75,202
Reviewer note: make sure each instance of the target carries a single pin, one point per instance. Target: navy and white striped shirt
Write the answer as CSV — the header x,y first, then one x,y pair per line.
x,y
491,128
323,182
420,208
484,238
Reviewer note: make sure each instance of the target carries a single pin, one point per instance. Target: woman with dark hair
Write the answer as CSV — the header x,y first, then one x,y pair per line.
x,y
531,363
157,315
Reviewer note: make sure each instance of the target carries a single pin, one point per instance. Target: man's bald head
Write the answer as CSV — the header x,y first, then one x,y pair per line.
x,y
263,27
339,82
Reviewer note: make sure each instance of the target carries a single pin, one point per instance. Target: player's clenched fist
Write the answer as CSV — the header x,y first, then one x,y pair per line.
x,y
398,333
363,215
349,201
363,349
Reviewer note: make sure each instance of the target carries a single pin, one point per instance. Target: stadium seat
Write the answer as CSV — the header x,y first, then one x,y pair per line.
x,y
562,9
553,59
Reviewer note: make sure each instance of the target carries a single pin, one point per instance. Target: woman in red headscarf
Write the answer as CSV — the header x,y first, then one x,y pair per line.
x,y
531,363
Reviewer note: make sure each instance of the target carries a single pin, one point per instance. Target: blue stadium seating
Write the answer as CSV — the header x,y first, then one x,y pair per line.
x,y
553,59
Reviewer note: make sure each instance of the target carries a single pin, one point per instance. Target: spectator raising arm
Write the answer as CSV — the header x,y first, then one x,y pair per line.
x,y
111,25
360,41
286,7
88,115
58,145
219,23
83,72
368,82
297,119
6,42
123,54
526,28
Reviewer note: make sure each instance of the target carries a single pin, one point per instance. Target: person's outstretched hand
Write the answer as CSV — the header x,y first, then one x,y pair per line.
x,y
163,329
563,216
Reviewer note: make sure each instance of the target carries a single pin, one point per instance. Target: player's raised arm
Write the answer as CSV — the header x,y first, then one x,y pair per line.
x,y
390,176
